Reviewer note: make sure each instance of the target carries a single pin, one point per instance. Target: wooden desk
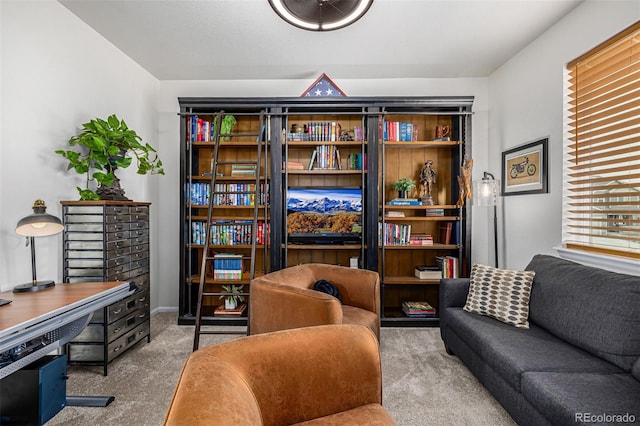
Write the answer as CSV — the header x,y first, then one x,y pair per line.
x,y
41,322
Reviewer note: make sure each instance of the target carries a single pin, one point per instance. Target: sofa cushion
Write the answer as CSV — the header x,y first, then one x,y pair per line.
x,y
589,307
502,294
583,398
513,351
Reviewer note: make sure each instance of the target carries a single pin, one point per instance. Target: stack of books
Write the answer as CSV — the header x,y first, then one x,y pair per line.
x,y
418,309
428,272
405,202
227,266
434,212
222,312
292,165
243,170
393,213
420,240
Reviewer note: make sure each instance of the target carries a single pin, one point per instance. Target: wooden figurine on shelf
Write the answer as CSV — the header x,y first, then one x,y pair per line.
x,y
464,182
441,133
428,178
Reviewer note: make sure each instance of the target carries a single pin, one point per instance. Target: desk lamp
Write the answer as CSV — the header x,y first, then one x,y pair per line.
x,y
37,224
485,193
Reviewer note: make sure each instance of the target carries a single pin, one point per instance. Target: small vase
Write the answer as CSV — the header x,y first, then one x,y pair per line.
x,y
230,304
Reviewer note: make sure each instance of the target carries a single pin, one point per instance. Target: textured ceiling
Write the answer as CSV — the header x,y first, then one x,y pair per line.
x,y
245,39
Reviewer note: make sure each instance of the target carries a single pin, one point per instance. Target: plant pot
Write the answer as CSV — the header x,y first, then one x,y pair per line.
x,y
403,194
113,192
230,304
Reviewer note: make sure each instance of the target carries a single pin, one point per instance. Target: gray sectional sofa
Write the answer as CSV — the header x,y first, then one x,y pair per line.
x,y
579,361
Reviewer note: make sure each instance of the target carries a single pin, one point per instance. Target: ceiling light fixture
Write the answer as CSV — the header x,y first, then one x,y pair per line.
x,y
320,15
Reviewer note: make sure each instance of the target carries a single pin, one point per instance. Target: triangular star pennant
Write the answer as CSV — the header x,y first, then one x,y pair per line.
x,y
323,87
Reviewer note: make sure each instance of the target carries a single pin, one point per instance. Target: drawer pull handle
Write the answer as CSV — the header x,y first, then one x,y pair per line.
x,y
117,311
116,330
142,315
117,348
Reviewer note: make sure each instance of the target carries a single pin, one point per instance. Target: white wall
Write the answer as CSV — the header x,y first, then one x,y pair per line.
x,y
57,73
170,144
526,103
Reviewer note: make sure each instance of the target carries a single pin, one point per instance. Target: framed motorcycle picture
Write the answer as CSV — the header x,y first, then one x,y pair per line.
x,y
524,169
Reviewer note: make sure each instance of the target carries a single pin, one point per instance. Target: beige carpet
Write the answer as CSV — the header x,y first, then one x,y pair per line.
x,y
422,384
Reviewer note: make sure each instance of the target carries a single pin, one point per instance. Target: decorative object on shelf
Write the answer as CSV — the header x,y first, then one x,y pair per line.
x,y
428,178
320,15
486,194
226,127
323,87
37,224
464,182
403,186
441,133
233,297
108,145
524,169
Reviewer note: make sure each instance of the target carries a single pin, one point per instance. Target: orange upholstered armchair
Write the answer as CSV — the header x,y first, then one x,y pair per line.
x,y
324,375
285,299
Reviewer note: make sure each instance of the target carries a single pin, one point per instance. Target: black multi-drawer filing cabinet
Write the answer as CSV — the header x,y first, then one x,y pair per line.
x,y
108,241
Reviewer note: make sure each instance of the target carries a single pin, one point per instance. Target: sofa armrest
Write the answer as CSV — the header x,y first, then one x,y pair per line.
x,y
274,306
453,292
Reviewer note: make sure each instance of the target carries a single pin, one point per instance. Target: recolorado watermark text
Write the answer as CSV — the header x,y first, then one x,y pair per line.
x,y
604,418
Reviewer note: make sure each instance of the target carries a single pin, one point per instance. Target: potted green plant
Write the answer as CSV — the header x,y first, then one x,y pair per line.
x,y
403,186
233,296
103,147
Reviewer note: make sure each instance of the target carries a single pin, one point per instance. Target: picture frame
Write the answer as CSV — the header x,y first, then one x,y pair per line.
x,y
525,169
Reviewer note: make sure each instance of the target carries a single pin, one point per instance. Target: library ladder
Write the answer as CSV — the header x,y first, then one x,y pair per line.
x,y
207,256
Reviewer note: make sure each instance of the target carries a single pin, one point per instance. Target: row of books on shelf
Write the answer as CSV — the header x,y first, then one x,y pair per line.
x,y
448,265
418,309
399,234
325,157
226,194
445,267
227,266
357,161
229,232
317,131
399,131
201,130
428,213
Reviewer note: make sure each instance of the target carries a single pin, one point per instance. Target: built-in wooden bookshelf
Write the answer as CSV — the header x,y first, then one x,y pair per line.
x,y
351,131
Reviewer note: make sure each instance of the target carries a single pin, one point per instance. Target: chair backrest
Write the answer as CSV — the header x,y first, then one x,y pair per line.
x,y
291,375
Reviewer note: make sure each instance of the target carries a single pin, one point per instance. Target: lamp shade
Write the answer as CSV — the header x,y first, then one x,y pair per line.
x,y
39,223
485,191
320,15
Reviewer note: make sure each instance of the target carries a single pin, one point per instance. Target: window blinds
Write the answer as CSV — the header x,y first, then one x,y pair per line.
x,y
602,171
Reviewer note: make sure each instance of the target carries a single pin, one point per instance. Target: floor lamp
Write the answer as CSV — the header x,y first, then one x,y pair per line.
x,y
485,193
37,224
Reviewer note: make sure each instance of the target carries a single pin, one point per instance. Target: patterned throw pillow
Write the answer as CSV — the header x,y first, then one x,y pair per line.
x,y
502,294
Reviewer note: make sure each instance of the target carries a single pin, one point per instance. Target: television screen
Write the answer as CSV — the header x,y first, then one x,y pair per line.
x,y
324,214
